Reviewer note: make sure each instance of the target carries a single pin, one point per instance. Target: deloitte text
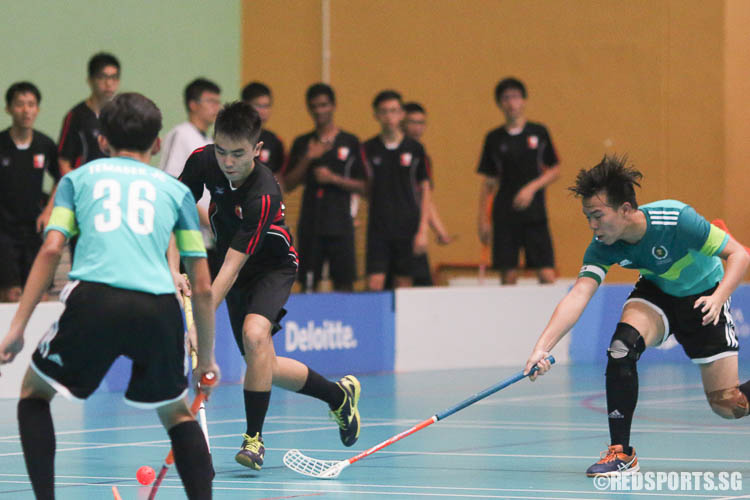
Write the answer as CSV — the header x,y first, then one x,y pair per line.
x,y
671,481
331,336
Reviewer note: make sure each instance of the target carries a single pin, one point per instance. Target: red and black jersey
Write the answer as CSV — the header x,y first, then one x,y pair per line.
x,y
250,218
326,209
272,152
395,176
516,160
78,137
21,177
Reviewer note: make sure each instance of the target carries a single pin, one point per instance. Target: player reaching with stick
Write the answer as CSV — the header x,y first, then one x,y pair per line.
x,y
125,212
682,290
257,274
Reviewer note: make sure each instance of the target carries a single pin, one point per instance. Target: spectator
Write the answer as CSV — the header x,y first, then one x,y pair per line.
x,y
259,96
25,154
202,102
414,127
398,220
518,161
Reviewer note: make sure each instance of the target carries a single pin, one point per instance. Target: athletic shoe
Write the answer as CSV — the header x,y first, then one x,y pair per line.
x,y
347,416
614,461
252,452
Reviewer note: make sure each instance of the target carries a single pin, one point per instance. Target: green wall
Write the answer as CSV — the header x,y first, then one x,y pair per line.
x,y
161,46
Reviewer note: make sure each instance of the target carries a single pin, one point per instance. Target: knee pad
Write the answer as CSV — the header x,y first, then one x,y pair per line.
x,y
729,403
624,350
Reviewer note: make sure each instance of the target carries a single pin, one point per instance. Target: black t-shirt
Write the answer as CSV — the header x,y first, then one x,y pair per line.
x,y
326,209
515,160
249,219
21,176
395,178
78,137
272,152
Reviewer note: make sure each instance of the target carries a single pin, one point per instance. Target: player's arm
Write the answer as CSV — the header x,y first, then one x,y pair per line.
x,y
487,189
737,260
203,316
299,162
325,175
420,239
228,273
566,315
525,195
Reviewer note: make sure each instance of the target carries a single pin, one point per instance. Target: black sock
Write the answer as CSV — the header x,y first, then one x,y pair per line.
x,y
256,407
192,459
38,443
321,388
622,396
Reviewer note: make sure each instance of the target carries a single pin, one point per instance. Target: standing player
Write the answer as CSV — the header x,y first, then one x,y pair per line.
x,y
125,212
25,154
78,137
327,160
259,96
683,290
398,219
257,274
202,102
518,162
414,126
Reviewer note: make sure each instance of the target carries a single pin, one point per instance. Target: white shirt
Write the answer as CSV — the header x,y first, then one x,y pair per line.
x,y
179,144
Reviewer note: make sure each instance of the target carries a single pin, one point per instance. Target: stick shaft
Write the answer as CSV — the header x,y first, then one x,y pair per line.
x,y
446,413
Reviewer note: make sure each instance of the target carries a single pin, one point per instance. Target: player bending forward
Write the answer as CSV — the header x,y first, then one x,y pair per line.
x,y
682,290
121,298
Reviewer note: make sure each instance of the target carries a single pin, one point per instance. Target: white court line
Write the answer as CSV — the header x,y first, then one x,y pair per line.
x,y
547,397
409,490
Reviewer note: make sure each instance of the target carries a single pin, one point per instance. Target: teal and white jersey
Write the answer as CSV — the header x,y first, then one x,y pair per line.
x,y
125,212
678,253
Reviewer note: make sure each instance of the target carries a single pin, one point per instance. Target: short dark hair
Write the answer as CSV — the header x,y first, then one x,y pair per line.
x,y
195,89
414,107
100,61
255,89
317,89
509,83
238,120
130,121
386,95
611,175
22,88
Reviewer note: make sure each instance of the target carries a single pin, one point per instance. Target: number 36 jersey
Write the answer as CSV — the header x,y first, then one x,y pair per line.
x,y
125,212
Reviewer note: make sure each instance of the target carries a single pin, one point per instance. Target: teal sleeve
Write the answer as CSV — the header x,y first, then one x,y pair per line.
x,y
692,228
187,229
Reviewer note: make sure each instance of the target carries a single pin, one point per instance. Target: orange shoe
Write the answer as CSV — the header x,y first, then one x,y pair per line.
x,y
614,461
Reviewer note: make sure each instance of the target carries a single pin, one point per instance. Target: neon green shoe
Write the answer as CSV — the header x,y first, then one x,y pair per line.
x,y
252,452
347,416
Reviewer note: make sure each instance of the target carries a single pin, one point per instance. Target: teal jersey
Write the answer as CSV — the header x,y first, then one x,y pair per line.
x,y
125,212
678,253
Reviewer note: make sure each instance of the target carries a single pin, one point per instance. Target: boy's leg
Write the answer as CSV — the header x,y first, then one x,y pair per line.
x,y
189,447
725,395
37,433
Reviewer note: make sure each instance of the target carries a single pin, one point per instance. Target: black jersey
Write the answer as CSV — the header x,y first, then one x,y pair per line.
x,y
78,137
326,209
395,178
249,219
21,176
516,160
272,152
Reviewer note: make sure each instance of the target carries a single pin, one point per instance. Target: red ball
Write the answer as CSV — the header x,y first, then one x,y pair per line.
x,y
145,475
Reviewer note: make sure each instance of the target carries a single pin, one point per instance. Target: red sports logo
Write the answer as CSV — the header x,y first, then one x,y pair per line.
x,y
238,211
39,161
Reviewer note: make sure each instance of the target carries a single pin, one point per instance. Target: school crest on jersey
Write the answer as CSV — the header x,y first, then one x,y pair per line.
x,y
238,211
342,153
405,159
264,156
39,161
532,141
660,252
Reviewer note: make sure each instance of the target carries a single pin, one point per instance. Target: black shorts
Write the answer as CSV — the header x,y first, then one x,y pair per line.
x,y
264,293
389,255
18,254
101,323
509,238
338,250
421,273
702,344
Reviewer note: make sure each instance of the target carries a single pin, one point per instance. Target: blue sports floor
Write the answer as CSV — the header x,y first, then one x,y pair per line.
x,y
529,441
